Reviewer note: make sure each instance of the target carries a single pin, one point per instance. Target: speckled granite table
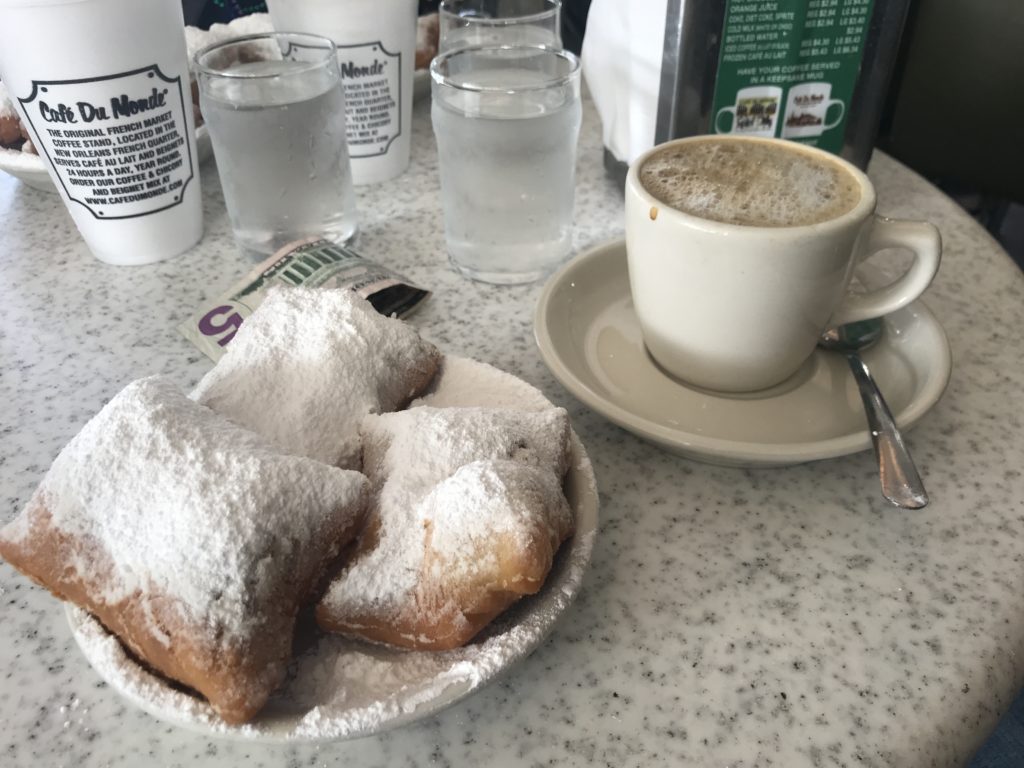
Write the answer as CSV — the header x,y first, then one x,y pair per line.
x,y
738,618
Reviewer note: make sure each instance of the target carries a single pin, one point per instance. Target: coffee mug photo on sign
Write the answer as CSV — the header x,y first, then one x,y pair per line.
x,y
808,108
756,112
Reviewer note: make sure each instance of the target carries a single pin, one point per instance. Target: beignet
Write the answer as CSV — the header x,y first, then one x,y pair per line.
x,y
189,538
467,514
309,364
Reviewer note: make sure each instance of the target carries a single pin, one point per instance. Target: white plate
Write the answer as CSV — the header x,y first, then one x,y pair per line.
x,y
590,338
32,170
339,688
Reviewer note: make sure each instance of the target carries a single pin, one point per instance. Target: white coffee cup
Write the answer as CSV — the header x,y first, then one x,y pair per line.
x,y
103,88
735,308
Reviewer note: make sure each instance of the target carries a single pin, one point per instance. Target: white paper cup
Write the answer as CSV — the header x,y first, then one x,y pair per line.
x,y
103,87
376,42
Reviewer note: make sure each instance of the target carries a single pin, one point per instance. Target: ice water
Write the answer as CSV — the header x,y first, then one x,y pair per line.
x,y
507,177
279,140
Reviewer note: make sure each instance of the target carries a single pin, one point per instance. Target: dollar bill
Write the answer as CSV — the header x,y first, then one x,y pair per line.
x,y
312,262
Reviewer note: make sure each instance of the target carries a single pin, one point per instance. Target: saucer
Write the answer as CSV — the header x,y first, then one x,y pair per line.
x,y
590,338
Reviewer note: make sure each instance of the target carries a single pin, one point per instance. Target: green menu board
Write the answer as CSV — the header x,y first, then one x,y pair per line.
x,y
787,68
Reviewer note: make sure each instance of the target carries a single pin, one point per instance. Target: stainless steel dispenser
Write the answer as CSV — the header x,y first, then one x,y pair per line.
x,y
814,71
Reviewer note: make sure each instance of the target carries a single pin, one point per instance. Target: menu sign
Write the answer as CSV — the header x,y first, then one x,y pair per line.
x,y
787,68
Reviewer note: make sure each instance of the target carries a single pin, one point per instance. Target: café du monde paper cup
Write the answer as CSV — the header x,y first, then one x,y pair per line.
x,y
103,88
376,42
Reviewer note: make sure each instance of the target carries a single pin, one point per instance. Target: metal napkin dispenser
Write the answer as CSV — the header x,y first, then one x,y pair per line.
x,y
812,71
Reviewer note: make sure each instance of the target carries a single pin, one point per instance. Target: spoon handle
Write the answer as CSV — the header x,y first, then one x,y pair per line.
x,y
901,484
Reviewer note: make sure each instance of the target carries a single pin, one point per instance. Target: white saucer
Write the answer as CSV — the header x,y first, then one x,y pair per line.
x,y
590,338
342,689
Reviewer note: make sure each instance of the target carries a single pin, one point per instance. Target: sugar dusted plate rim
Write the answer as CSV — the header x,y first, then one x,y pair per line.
x,y
405,686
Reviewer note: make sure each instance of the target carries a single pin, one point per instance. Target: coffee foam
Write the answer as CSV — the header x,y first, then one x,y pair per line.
x,y
757,184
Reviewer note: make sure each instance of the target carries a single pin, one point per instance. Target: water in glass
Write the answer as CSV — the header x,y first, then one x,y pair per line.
x,y
507,176
279,140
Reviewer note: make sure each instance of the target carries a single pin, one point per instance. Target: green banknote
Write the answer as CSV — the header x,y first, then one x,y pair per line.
x,y
312,263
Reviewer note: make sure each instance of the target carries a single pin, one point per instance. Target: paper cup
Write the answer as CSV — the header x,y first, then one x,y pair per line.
x,y
103,88
376,42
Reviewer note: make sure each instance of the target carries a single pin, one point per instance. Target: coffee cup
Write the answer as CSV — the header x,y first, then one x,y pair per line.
x,y
741,251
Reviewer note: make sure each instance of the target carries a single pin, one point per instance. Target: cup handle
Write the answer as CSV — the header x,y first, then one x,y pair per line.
x,y
920,237
722,111
839,118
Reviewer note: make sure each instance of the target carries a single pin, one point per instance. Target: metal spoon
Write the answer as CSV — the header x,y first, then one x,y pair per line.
x,y
901,484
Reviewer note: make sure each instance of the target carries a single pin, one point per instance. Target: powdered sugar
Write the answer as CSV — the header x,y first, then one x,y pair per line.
x,y
407,455
487,502
340,688
6,105
182,501
309,364
253,23
196,39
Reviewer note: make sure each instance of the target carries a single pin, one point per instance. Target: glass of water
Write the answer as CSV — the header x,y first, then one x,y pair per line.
x,y
275,108
506,120
466,23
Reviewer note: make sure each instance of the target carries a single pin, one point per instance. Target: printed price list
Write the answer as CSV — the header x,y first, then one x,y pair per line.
x,y
776,41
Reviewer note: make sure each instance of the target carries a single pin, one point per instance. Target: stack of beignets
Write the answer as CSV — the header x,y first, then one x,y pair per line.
x,y
195,529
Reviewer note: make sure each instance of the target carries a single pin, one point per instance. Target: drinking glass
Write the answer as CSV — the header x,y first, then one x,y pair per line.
x,y
506,120
275,108
466,23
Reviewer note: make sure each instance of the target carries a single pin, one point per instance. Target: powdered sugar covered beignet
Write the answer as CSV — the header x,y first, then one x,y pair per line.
x,y
405,454
309,364
189,538
466,517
